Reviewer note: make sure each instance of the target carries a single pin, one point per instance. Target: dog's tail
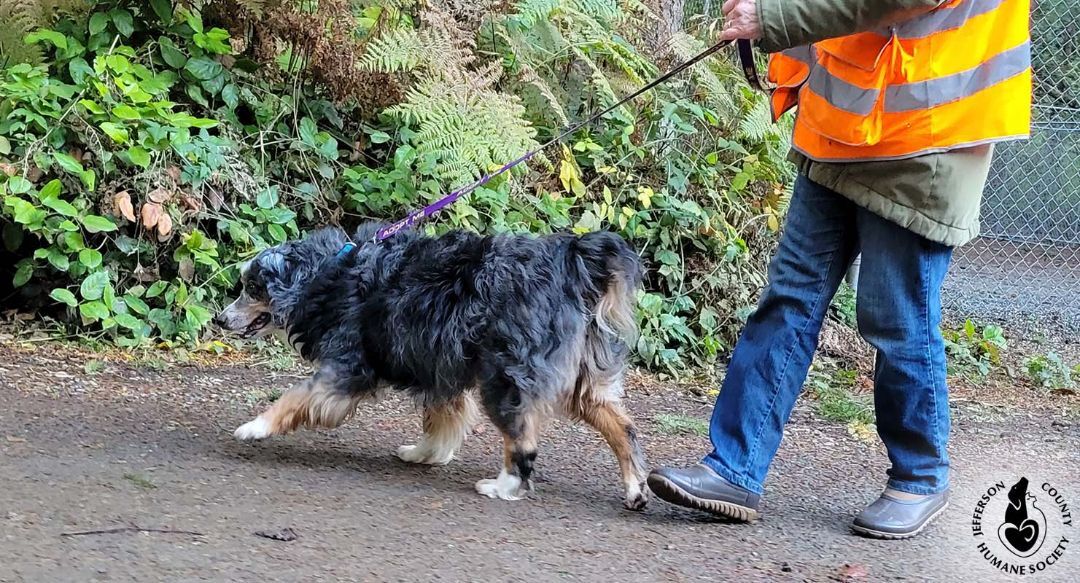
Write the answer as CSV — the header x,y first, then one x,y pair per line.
x,y
616,272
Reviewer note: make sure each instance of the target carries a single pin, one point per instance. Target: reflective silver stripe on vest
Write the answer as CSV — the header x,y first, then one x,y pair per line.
x,y
945,18
801,54
934,92
840,93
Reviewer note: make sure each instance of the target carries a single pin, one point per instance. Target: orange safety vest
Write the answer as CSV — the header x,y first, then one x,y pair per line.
x,y
956,76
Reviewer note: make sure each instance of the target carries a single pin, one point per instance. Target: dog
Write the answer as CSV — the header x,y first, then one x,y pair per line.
x,y
532,326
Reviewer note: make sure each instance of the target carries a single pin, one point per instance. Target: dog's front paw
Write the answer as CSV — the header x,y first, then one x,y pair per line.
x,y
257,428
505,487
421,454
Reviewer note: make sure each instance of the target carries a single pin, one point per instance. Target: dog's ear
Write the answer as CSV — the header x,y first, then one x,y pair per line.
x,y
274,261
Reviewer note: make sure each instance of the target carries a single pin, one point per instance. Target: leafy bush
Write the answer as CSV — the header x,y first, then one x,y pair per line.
x,y
971,350
1049,371
153,148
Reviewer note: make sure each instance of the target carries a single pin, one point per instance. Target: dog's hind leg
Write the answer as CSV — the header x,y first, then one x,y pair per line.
x,y
611,420
445,426
325,400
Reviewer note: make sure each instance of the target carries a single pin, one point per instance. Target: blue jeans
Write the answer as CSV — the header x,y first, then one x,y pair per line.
x,y
898,306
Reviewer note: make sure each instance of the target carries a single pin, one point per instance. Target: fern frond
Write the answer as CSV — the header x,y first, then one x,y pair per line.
x,y
398,50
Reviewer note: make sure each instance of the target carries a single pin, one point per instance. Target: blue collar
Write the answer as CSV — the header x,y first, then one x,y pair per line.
x,y
345,249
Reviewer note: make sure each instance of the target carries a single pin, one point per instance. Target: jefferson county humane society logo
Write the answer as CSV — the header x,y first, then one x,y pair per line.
x,y
1022,529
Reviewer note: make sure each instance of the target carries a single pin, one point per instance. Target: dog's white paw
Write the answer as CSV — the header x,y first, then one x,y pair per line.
x,y
257,428
421,454
505,487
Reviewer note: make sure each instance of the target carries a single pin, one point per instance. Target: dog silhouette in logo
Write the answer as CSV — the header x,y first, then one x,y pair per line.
x,y
1025,524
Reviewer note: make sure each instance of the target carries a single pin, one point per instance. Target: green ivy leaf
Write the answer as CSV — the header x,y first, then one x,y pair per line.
x,y
79,70
163,9
61,206
277,233
172,55
5,146
55,38
18,185
214,85
156,289
68,162
58,260
98,224
203,68
92,106
379,137
138,306
89,179
139,156
230,96
126,112
668,257
64,296
123,20
90,258
128,321
308,129
267,199
25,213
98,22
117,132
51,189
23,273
74,241
93,287
93,311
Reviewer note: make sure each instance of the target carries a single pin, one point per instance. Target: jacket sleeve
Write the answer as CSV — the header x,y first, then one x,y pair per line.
x,y
792,23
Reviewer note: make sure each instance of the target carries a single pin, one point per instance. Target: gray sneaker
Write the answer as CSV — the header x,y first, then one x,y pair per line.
x,y
899,516
700,488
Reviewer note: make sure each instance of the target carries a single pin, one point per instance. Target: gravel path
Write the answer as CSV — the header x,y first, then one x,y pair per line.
x,y
132,446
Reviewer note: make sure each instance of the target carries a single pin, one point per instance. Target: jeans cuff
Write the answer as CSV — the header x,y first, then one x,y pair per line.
x,y
710,461
917,489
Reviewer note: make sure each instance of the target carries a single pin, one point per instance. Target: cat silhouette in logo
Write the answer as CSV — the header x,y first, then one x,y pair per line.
x,y
1025,525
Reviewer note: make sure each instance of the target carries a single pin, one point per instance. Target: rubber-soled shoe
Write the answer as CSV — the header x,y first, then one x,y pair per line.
x,y
889,517
700,488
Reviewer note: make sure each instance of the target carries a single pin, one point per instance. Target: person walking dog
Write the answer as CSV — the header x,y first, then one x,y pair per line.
x,y
899,103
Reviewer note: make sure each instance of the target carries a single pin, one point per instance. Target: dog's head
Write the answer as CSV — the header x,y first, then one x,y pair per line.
x,y
252,314
275,282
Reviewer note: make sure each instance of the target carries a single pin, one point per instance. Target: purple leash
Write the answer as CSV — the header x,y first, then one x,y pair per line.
x,y
433,208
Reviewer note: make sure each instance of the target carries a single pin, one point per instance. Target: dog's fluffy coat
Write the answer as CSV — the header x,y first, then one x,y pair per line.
x,y
533,325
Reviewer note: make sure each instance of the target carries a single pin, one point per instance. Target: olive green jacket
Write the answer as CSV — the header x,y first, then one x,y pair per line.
x,y
934,195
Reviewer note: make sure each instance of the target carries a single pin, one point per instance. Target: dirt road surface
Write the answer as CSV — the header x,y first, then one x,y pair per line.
x,y
100,446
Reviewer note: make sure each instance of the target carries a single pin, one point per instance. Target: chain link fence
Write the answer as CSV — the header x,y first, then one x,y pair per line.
x,y
1025,269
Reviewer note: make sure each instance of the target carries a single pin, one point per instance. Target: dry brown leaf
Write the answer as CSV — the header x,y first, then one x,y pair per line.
x,y
187,269
151,214
34,174
159,195
8,169
164,226
191,202
215,199
173,173
123,205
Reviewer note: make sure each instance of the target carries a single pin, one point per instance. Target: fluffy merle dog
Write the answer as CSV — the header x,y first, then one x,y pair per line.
x,y
533,326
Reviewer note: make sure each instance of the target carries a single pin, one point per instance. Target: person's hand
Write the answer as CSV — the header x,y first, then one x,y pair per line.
x,y
741,20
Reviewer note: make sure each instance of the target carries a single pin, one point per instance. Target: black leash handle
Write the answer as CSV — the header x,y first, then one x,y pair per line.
x,y
749,66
